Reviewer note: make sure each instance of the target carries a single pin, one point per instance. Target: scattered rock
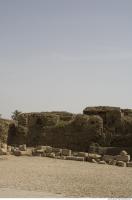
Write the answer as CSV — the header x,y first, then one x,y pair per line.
x,y
93,161
66,152
102,162
23,147
57,150
112,162
123,153
4,146
69,157
79,158
12,149
125,158
121,164
58,157
3,151
129,164
108,158
58,154
9,148
17,152
94,155
48,149
50,155
82,154
75,153
75,158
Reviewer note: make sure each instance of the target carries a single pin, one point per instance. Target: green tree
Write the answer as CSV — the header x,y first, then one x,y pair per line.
x,y
15,114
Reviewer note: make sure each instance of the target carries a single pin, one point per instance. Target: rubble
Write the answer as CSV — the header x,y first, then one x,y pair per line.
x,y
125,158
66,152
102,162
129,164
121,164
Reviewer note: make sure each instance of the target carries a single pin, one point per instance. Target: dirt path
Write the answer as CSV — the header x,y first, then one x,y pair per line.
x,y
45,177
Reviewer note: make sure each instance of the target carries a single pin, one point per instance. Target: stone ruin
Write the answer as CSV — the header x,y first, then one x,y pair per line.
x,y
4,129
105,126
57,129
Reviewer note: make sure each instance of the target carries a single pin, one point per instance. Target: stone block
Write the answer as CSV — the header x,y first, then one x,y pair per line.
x,y
129,164
3,151
4,146
112,162
56,150
82,154
17,152
23,147
79,158
125,158
48,149
50,155
9,148
94,155
121,164
66,152
102,162
93,161
108,158
123,153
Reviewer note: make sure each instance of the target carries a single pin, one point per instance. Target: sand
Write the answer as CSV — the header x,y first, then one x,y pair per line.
x,y
46,177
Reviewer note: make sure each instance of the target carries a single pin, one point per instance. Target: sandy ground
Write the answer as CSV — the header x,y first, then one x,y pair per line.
x,y
46,177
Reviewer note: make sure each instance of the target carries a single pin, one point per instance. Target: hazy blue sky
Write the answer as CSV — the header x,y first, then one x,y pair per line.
x,y
65,54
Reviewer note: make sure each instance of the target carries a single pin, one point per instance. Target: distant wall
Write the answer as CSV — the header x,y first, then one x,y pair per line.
x,y
117,124
59,129
107,126
4,130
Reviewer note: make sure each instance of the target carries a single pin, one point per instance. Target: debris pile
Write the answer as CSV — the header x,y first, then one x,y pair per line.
x,y
122,160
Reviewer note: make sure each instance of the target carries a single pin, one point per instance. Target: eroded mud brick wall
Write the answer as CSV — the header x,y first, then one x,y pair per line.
x,y
107,126
117,124
59,129
4,130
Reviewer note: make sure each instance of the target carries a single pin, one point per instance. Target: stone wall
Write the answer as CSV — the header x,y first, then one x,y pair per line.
x,y
4,130
117,124
107,126
58,129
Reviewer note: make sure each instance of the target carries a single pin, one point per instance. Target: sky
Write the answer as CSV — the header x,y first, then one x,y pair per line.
x,y
65,55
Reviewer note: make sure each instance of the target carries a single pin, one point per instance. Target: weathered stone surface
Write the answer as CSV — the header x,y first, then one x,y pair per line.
x,y
103,125
93,161
121,164
94,155
117,124
129,164
125,158
102,162
66,152
9,148
3,151
82,154
108,158
23,147
50,155
4,129
79,158
17,152
58,129
123,153
112,162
